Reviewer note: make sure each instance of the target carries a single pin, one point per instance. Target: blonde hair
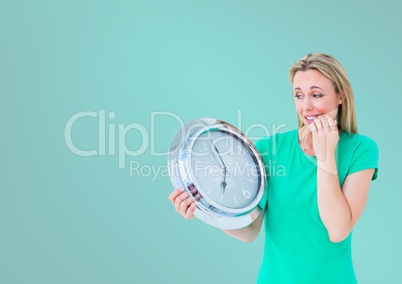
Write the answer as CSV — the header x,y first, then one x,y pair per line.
x,y
334,71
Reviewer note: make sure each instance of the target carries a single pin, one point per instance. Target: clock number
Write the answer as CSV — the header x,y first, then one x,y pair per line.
x,y
246,193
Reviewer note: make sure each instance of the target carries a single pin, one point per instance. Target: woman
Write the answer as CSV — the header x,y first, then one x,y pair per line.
x,y
314,206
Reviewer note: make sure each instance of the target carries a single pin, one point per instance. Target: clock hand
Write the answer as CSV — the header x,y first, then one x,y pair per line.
x,y
216,150
223,183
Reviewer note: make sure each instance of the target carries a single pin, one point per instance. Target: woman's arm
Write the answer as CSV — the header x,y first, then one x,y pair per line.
x,y
339,208
185,206
249,233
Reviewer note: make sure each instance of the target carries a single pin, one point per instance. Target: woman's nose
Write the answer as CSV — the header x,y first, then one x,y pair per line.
x,y
307,104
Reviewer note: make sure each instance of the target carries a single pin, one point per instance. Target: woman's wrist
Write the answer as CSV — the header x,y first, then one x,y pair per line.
x,y
328,165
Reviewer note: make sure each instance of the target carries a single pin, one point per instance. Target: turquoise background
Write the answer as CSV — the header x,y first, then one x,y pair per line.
x,y
65,218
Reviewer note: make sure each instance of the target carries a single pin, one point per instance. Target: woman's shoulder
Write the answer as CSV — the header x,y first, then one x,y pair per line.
x,y
358,147
359,151
266,142
277,135
357,139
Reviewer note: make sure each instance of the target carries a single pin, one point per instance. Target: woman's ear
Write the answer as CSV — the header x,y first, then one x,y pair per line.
x,y
340,98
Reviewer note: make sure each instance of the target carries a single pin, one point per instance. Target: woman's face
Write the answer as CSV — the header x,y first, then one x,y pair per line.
x,y
314,95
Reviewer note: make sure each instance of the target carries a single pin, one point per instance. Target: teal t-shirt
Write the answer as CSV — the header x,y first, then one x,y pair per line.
x,y
297,245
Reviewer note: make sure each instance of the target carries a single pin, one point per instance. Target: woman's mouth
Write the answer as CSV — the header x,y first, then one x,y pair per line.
x,y
310,118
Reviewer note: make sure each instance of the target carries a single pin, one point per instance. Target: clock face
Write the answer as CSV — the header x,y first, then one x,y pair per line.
x,y
224,169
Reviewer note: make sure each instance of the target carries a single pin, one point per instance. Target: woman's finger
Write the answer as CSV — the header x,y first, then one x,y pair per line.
x,y
184,206
190,211
324,122
331,123
318,124
174,194
313,127
179,199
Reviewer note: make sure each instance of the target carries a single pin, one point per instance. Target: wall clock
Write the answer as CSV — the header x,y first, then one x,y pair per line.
x,y
221,169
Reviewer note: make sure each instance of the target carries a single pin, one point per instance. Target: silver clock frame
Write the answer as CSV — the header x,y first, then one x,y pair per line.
x,y
207,210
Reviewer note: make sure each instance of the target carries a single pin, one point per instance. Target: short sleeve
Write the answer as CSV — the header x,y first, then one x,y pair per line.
x,y
365,157
263,146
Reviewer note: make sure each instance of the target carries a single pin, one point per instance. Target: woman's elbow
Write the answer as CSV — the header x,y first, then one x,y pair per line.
x,y
246,235
249,239
339,236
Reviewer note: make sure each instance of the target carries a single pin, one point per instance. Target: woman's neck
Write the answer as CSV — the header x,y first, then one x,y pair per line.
x,y
306,140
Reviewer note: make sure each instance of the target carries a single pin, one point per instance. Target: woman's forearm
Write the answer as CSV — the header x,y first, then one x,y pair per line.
x,y
332,204
249,233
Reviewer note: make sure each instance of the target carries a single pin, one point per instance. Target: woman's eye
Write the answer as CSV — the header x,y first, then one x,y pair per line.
x,y
297,96
317,95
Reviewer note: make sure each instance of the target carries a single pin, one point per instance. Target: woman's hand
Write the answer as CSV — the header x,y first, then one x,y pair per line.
x,y
325,137
183,203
